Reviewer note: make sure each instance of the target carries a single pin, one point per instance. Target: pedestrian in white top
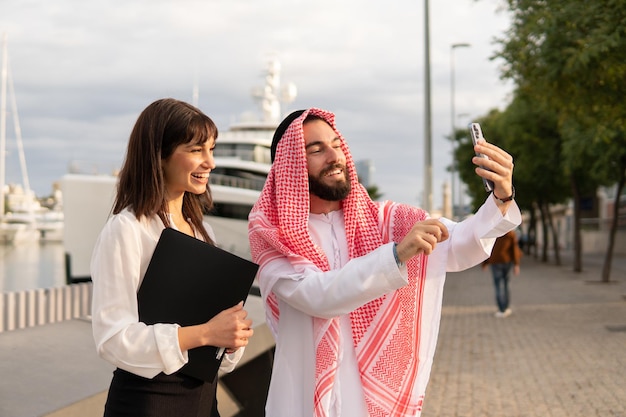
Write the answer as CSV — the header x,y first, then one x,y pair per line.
x,y
353,287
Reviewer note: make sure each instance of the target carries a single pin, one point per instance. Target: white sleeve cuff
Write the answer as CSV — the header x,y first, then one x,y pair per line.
x,y
166,336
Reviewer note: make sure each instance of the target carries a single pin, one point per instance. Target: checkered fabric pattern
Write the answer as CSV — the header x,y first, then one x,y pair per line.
x,y
386,331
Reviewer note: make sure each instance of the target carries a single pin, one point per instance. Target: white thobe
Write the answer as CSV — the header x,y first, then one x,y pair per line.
x,y
120,258
312,293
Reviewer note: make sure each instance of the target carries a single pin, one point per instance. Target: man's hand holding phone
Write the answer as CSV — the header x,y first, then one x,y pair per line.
x,y
494,166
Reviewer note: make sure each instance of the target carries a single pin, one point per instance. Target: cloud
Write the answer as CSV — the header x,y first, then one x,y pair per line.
x,y
84,70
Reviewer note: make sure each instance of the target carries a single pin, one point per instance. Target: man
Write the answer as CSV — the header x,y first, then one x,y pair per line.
x,y
353,287
505,255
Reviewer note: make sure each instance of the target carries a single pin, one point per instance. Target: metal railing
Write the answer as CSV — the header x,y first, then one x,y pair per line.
x,y
30,308
595,223
238,182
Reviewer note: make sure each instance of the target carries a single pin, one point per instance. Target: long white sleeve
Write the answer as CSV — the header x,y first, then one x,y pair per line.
x,y
333,293
472,239
119,262
120,259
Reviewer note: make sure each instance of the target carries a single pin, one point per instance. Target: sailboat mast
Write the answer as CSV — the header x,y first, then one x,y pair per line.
x,y
18,133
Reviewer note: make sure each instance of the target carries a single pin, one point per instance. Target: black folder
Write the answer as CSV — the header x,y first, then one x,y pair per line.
x,y
189,281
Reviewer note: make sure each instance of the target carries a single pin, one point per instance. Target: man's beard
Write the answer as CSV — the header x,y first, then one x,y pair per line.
x,y
336,192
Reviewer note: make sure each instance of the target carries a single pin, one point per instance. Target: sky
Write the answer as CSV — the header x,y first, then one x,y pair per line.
x,y
83,71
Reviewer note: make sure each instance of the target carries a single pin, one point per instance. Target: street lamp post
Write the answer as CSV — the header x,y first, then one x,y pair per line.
x,y
452,120
3,118
428,153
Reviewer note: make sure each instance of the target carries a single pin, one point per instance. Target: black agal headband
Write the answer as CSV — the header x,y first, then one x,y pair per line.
x,y
281,129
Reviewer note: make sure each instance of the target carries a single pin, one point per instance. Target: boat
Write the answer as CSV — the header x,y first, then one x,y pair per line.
x,y
18,227
22,217
18,224
242,159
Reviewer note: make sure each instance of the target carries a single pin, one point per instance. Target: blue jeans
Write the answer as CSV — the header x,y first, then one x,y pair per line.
x,y
501,274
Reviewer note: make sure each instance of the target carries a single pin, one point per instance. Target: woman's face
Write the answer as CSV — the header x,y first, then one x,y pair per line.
x,y
188,168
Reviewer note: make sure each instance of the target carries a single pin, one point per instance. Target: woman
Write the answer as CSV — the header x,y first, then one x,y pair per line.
x,y
163,183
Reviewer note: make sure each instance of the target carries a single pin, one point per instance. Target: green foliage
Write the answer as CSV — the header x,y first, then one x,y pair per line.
x,y
568,120
529,132
570,56
530,135
374,192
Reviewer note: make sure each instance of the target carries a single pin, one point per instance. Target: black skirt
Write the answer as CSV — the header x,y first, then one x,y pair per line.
x,y
175,395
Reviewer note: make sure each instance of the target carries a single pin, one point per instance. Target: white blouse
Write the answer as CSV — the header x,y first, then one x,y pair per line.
x,y
120,258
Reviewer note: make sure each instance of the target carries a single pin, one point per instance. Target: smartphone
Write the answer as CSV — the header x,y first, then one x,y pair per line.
x,y
476,134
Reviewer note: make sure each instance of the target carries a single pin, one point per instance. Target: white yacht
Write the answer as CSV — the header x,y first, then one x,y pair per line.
x,y
24,219
242,159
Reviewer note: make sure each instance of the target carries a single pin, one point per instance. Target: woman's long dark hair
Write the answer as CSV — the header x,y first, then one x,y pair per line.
x,y
160,128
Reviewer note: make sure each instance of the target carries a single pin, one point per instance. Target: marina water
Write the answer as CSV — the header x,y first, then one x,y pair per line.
x,y
32,265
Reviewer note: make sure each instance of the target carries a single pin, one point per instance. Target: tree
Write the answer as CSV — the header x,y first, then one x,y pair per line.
x,y
529,133
574,53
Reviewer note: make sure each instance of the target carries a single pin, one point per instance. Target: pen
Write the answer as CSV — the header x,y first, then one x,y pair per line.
x,y
220,353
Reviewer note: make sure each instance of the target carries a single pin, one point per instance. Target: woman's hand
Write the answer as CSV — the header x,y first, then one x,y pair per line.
x,y
230,329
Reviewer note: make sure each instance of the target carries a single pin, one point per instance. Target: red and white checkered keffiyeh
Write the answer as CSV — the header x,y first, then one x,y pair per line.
x,y
385,331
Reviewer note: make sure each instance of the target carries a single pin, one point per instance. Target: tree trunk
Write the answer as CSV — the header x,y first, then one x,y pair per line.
x,y
531,234
578,263
555,236
608,257
545,230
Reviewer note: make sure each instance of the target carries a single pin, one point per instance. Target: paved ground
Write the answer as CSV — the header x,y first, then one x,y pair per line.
x,y
562,353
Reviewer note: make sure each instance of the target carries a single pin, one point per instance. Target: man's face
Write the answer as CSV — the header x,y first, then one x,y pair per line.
x,y
326,162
